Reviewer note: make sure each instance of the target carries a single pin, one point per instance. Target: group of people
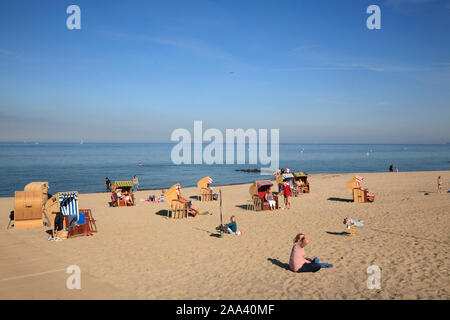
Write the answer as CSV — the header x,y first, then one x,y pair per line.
x,y
126,197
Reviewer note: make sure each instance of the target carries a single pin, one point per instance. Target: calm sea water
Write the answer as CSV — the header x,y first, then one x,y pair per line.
x,y
83,167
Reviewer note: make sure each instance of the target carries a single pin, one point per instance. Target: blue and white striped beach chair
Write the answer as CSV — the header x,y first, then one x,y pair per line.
x,y
68,203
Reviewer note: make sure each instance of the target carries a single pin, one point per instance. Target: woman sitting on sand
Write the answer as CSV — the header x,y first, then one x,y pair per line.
x,y
270,200
298,262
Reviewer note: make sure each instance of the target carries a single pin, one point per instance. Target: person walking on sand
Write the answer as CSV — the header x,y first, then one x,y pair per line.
x,y
287,195
107,184
297,260
439,185
135,183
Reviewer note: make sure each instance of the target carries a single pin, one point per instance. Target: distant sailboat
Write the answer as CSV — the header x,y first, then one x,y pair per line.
x,y
82,141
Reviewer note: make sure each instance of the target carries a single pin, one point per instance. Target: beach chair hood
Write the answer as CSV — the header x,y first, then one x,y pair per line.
x,y
354,182
204,182
254,188
172,193
122,184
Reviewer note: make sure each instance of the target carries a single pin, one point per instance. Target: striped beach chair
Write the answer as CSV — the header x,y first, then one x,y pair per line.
x,y
206,193
68,204
77,221
360,194
258,191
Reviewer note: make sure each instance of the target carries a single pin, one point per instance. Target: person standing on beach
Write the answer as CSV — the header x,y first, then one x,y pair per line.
x,y
135,183
391,168
287,195
439,183
108,184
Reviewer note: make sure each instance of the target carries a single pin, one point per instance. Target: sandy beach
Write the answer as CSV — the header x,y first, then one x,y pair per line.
x,y
139,253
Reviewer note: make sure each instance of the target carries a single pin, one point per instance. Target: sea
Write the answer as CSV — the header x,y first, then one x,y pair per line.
x,y
84,167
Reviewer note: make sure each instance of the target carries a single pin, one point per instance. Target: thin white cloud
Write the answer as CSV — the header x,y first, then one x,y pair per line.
x,y
191,46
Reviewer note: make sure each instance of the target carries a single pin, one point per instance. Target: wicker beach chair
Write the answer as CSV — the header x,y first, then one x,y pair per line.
x,y
124,186
76,221
206,193
29,205
303,179
178,207
360,195
258,191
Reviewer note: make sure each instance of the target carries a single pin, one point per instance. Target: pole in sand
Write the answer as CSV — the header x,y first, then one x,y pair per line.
x,y
221,222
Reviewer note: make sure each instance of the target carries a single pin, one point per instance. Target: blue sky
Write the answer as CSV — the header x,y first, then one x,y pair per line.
x,y
137,70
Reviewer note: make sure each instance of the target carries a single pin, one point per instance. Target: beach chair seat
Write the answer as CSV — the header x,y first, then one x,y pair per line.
x,y
206,194
179,209
84,224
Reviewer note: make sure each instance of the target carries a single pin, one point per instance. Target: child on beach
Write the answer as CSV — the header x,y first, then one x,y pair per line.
x,y
287,194
297,260
232,226
439,185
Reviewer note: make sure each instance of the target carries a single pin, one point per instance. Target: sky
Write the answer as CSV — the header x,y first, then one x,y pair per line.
x,y
138,70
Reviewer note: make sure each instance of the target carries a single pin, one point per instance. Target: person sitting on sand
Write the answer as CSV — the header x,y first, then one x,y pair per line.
x,y
297,260
232,226
270,200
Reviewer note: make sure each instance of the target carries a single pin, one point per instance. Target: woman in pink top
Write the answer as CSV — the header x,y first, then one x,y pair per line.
x,y
297,261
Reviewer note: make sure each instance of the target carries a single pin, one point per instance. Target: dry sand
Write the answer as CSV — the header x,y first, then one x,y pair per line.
x,y
138,253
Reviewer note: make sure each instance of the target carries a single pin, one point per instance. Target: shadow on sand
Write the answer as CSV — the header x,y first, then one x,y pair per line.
x,y
163,213
278,263
241,206
211,234
340,199
338,233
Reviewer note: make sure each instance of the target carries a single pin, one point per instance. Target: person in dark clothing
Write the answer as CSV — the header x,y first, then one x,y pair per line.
x,y
108,184
391,168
